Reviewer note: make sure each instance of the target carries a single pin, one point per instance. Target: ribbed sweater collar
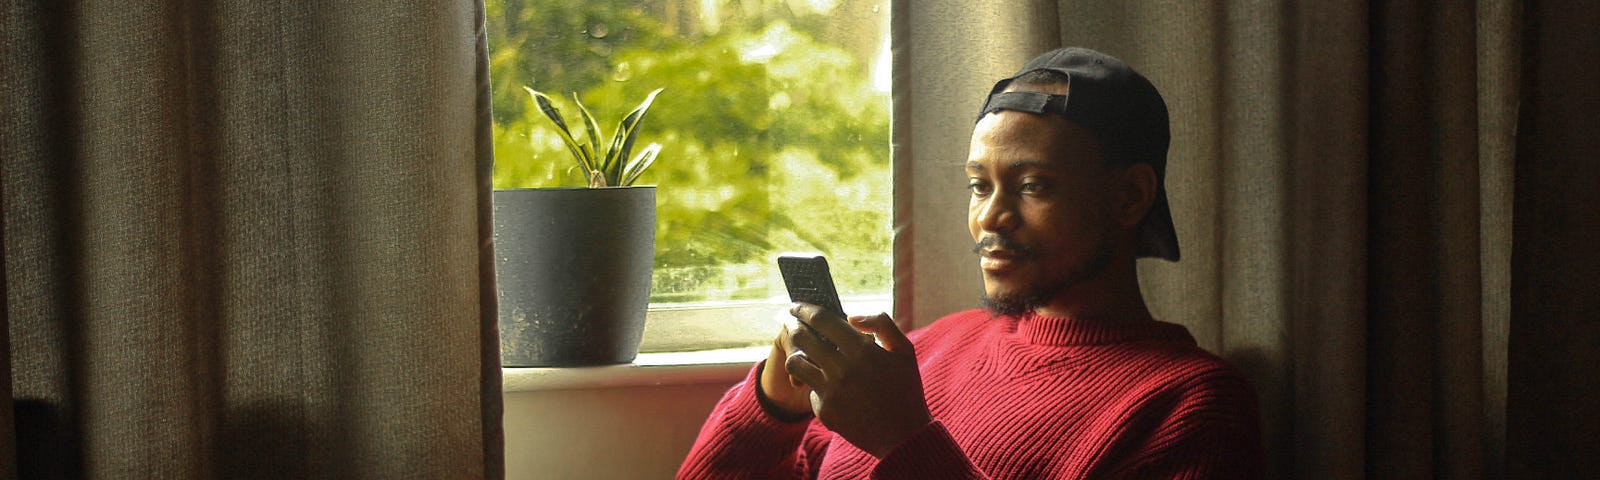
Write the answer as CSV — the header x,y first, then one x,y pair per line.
x,y
1042,330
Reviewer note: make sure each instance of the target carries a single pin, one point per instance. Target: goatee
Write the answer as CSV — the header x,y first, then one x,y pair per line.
x,y
1039,295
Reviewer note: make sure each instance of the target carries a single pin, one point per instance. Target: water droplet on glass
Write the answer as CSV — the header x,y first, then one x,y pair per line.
x,y
623,72
598,30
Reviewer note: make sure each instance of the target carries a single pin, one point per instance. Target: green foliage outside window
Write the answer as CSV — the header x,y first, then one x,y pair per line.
x,y
773,139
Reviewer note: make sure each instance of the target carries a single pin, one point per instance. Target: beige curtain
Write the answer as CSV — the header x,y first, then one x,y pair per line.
x,y
248,239
1342,179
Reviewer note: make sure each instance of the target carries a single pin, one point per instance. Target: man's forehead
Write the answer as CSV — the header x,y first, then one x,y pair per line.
x,y
1013,139
1018,129
1013,164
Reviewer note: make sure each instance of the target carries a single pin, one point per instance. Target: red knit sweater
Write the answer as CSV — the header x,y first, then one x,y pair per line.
x,y
1029,397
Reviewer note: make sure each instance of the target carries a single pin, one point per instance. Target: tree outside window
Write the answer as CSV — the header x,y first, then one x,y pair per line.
x,y
775,133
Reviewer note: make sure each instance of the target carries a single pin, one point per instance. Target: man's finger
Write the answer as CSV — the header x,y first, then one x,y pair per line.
x,y
802,369
783,341
887,332
829,325
817,351
781,348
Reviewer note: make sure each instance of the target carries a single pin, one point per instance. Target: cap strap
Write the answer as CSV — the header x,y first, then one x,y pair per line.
x,y
1034,102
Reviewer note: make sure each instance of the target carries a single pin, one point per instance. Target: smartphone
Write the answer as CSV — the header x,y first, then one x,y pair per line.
x,y
807,279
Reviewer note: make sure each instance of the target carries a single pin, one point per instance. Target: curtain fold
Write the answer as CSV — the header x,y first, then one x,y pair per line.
x,y
1341,177
1551,416
1425,368
8,446
490,387
248,240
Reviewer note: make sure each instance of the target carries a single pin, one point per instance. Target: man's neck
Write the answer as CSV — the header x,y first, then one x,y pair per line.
x,y
1114,295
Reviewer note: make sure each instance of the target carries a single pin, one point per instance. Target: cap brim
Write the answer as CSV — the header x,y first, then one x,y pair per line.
x,y
1158,238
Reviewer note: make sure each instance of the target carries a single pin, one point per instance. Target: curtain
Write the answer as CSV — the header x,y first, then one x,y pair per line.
x,y
1374,200
8,448
248,239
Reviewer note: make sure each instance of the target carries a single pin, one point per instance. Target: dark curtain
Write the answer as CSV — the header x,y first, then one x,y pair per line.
x,y
1552,417
248,239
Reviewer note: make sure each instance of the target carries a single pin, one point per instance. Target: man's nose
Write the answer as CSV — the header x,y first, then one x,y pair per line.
x,y
997,213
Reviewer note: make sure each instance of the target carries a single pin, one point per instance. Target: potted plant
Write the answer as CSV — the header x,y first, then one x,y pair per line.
x,y
574,264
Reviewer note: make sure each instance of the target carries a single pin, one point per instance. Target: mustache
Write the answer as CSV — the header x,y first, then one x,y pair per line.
x,y
996,241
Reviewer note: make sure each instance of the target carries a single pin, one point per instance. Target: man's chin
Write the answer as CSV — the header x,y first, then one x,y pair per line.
x,y
1018,294
1007,303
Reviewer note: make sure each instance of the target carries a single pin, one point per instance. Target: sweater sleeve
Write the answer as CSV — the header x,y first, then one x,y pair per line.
x,y
742,440
1213,433
929,454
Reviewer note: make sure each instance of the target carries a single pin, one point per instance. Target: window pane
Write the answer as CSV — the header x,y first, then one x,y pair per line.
x,y
774,126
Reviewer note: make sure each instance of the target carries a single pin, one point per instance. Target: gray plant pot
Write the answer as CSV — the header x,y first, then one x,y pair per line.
x,y
573,268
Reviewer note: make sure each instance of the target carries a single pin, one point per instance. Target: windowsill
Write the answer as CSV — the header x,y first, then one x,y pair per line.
x,y
672,334
649,369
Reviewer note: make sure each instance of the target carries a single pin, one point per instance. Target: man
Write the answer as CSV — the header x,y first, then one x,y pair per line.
x,y
1063,374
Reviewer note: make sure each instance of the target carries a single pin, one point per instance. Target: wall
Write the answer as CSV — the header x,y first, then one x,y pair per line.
x,y
627,432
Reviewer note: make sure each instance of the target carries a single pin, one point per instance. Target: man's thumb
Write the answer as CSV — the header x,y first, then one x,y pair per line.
x,y
887,332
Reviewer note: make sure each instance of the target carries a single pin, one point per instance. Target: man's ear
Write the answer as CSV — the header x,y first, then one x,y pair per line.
x,y
1138,187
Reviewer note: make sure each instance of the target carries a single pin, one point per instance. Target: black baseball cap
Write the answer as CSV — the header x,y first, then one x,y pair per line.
x,y
1121,109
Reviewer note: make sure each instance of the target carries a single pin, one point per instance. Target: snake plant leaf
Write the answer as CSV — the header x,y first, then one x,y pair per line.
x,y
585,157
611,166
613,153
573,146
639,163
593,131
548,108
627,130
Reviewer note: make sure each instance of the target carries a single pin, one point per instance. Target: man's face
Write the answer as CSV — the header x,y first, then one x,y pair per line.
x,y
1041,211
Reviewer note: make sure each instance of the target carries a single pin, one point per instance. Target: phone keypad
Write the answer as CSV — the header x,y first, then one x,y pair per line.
x,y
810,282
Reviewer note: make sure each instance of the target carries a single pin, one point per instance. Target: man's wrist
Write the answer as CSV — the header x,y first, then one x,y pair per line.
x,y
905,434
771,407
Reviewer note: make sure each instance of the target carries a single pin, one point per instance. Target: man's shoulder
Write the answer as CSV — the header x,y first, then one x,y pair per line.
x,y
1188,368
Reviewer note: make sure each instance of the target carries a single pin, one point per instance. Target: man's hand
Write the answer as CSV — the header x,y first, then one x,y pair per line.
x,y
791,398
870,395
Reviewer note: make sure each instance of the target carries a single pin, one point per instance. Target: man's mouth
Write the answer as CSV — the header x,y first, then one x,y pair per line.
x,y
997,261
997,255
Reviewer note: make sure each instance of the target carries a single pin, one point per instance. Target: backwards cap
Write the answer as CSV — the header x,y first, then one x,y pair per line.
x,y
1121,110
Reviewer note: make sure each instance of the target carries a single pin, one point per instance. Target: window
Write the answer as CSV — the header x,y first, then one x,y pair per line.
x,y
774,124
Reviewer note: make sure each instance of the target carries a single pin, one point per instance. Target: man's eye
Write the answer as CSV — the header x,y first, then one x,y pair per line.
x,y
978,188
1031,187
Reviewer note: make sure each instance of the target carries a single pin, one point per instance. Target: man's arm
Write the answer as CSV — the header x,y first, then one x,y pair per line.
x,y
868,389
762,428
862,391
864,375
